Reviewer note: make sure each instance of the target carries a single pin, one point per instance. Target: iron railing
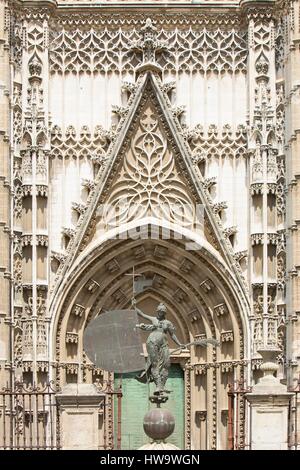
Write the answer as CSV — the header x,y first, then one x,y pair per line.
x,y
29,417
238,414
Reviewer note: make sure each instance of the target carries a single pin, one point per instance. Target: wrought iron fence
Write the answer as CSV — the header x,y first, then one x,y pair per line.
x,y
29,417
238,416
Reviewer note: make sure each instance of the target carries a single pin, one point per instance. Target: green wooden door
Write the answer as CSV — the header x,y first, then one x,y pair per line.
x,y
135,404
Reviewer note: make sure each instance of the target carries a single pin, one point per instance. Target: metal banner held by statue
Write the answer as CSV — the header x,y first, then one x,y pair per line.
x,y
113,343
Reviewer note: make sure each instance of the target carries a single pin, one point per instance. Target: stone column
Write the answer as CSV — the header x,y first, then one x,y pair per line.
x,y
269,401
81,423
292,144
5,197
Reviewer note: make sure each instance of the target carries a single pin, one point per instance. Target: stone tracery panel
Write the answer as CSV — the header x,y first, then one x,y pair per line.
x,y
216,142
149,183
106,51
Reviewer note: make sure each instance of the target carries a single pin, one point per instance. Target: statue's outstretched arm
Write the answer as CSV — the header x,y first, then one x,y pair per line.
x,y
143,315
142,326
176,340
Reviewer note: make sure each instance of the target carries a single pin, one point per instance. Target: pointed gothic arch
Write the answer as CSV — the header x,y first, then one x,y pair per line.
x,y
149,162
183,177
202,298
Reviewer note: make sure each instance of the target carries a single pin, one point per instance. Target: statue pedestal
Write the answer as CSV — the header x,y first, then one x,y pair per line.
x,y
159,446
80,424
159,424
269,401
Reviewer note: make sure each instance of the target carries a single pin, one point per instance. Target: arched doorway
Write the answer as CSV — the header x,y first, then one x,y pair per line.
x,y
135,403
203,300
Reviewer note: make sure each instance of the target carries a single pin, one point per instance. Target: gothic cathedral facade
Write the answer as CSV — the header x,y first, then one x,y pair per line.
x,y
164,137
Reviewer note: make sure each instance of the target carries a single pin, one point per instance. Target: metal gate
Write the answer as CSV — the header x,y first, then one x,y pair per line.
x,y
29,418
238,416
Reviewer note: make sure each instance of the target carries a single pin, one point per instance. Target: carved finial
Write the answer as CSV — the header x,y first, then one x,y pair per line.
x,y
149,45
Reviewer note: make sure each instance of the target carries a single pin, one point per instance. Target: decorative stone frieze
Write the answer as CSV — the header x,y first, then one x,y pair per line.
x,y
92,286
207,285
227,336
112,266
221,310
71,338
78,310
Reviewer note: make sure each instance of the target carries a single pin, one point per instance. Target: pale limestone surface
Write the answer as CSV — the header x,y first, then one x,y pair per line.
x,y
85,99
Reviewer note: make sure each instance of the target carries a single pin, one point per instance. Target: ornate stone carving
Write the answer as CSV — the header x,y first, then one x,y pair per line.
x,y
160,251
78,310
42,240
140,252
89,184
112,266
119,296
207,286
42,190
27,340
200,369
108,50
272,238
279,41
186,266
27,190
41,164
69,232
42,366
221,310
149,179
35,68
179,295
26,163
17,114
219,143
26,240
158,281
40,305
256,188
72,368
257,238
187,385
82,144
226,367
220,206
92,286
60,257
71,338
229,231
18,199
281,260
42,340
78,207
209,182
241,255
227,336
121,111
194,316
18,275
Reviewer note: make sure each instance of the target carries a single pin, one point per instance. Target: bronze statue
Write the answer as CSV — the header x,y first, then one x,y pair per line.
x,y
158,361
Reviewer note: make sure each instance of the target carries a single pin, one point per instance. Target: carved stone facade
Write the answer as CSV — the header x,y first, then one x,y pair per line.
x,y
163,138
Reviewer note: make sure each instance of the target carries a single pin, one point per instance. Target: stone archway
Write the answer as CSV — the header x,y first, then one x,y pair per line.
x,y
203,300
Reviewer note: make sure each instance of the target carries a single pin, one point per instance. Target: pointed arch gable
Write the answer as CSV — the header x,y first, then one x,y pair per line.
x,y
149,88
